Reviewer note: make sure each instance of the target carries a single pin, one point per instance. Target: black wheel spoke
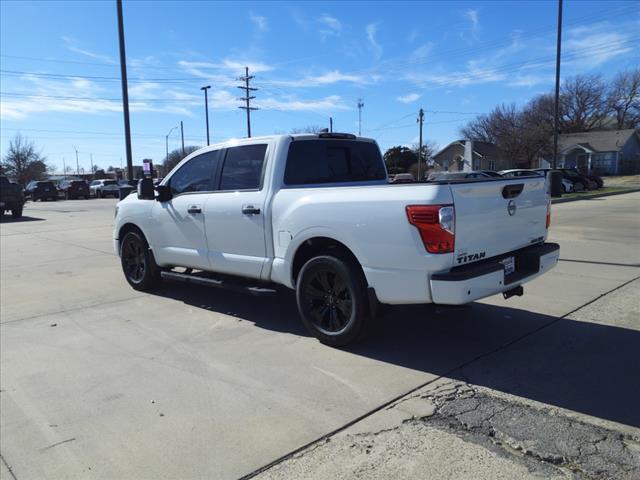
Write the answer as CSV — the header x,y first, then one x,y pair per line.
x,y
133,259
323,279
329,300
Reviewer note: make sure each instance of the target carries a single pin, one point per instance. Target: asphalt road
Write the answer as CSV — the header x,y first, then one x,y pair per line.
x,y
100,381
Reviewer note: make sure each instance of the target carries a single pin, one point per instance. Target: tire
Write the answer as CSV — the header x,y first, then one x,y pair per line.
x,y
138,265
16,212
331,293
564,188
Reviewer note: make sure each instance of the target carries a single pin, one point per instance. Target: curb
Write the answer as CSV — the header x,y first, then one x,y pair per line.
x,y
597,195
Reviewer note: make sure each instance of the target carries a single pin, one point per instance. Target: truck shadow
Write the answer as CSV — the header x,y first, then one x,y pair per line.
x,y
581,366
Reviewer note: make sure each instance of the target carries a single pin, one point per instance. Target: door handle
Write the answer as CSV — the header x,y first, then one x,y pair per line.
x,y
194,209
250,210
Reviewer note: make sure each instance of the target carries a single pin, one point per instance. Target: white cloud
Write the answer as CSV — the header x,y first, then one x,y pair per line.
x,y
233,66
71,45
325,79
330,26
594,49
408,98
531,80
422,51
260,21
374,46
82,96
329,103
472,16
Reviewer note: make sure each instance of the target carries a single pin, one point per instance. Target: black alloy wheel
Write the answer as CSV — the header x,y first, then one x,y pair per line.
x,y
137,261
332,300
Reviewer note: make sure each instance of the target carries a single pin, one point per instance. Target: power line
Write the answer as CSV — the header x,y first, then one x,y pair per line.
x,y
247,97
532,62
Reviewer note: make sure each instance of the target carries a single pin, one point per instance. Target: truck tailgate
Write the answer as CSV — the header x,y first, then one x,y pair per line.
x,y
498,216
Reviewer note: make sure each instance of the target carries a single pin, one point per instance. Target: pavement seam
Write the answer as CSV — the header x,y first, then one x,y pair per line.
x,y
93,305
326,437
13,475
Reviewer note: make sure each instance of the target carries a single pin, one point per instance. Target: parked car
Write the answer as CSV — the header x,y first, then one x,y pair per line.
x,y
403,178
41,190
74,189
579,179
104,188
596,178
11,198
437,176
519,172
316,214
491,173
567,184
578,182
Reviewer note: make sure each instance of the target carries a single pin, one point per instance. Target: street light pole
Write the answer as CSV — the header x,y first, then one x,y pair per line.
x,y
77,163
166,138
206,108
556,112
125,91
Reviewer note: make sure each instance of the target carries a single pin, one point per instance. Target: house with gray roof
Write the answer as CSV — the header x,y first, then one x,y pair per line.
x,y
607,152
464,155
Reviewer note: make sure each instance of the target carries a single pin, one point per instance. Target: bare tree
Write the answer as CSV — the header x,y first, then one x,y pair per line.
x,y
520,134
583,104
175,156
22,162
624,99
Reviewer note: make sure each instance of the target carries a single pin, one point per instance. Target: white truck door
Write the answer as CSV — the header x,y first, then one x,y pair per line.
x,y
235,227
178,225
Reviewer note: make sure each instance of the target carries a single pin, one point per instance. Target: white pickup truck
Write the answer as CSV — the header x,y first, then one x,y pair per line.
x,y
315,213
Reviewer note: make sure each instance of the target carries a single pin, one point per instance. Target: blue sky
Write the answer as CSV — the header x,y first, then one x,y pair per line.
x,y
60,72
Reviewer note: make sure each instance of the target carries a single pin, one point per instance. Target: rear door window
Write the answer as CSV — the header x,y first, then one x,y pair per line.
x,y
332,161
243,167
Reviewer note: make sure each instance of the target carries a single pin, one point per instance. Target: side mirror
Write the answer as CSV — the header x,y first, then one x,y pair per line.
x,y
145,189
164,193
554,183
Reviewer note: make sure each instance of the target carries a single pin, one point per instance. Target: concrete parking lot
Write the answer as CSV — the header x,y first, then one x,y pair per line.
x,y
100,381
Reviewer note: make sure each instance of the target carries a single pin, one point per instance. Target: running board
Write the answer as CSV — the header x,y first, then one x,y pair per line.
x,y
214,282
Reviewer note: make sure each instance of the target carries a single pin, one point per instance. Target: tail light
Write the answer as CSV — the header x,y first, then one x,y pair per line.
x,y
548,215
436,224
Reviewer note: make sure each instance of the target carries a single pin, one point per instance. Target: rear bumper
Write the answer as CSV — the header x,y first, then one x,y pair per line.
x,y
471,282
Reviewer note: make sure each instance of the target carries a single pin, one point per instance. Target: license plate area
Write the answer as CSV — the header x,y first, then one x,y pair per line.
x,y
509,265
519,266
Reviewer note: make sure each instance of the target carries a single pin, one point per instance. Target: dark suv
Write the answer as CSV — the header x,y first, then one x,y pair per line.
x,y
41,191
74,189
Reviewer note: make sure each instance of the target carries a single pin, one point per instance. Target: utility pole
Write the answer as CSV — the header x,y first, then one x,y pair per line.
x,y
557,100
91,160
421,122
360,105
64,168
206,109
77,164
331,124
182,136
166,139
247,97
125,91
